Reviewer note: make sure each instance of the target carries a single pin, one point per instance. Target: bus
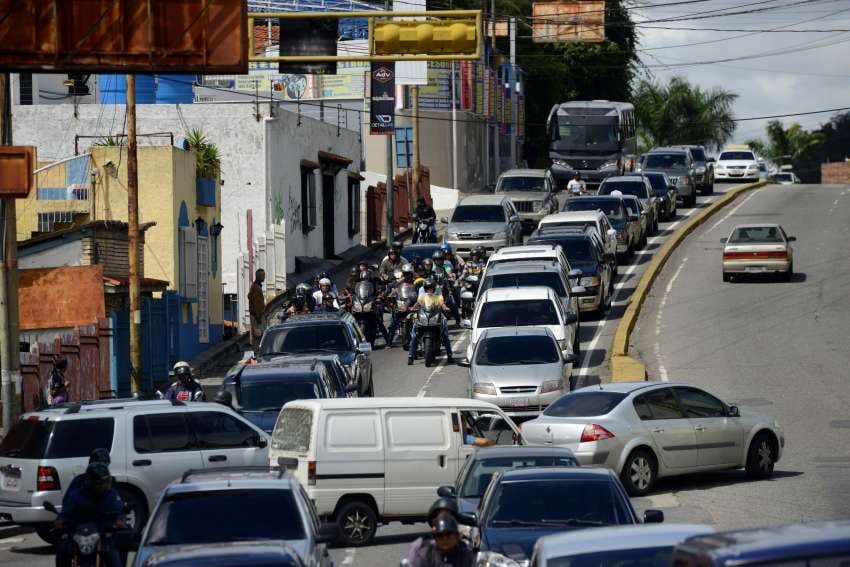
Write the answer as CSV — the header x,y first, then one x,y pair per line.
x,y
596,138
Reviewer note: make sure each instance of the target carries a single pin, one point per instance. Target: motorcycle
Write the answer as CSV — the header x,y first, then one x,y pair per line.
x,y
429,327
89,538
422,231
469,288
364,307
404,301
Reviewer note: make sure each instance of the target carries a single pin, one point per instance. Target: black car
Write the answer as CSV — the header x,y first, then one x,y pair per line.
x,y
521,506
334,333
585,252
339,372
664,190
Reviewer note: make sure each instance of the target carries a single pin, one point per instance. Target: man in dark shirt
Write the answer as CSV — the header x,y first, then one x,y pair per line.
x,y
186,388
425,212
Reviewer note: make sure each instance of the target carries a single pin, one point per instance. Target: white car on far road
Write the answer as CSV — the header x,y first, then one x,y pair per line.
x,y
737,164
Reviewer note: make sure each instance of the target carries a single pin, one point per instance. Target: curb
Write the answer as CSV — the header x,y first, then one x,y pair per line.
x,y
625,368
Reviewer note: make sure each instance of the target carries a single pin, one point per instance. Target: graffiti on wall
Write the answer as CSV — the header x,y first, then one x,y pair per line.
x,y
294,212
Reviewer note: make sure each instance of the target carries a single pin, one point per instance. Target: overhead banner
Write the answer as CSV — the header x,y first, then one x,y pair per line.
x,y
382,106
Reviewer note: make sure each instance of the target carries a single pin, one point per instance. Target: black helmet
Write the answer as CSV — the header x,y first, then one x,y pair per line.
x,y
100,455
438,255
397,246
430,283
224,397
97,472
447,504
300,293
445,525
420,201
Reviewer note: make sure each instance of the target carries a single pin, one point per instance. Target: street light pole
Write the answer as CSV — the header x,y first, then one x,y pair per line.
x,y
390,201
133,236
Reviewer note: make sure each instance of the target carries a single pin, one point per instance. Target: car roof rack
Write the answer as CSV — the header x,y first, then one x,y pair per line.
x,y
113,404
281,471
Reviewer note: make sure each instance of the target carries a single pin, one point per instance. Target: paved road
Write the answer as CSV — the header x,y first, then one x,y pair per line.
x,y
769,347
394,378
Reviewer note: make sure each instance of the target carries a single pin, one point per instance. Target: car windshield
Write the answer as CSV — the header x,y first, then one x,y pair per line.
x,y
698,154
636,188
555,502
223,516
513,351
746,156
585,404
757,235
666,161
305,338
643,557
482,472
479,213
507,184
518,313
575,249
27,439
529,279
268,395
611,207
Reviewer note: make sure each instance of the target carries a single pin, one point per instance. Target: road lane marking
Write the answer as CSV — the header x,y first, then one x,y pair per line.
x,y
423,391
661,370
349,556
730,213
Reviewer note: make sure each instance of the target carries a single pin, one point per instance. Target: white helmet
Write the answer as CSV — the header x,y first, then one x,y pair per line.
x,y
324,281
616,193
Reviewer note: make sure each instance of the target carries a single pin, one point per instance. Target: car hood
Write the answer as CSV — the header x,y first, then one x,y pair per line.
x,y
265,420
517,375
213,553
525,195
477,227
587,268
516,543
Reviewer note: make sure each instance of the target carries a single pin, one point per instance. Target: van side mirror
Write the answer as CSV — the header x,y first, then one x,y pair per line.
x,y
260,442
571,318
733,411
351,387
444,220
570,359
365,347
447,491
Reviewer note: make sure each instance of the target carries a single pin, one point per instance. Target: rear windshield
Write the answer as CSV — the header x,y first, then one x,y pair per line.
x,y
479,213
665,161
631,206
757,235
229,515
575,249
611,207
556,503
306,338
269,396
521,184
518,313
698,154
292,430
545,279
783,177
636,188
642,557
585,404
747,156
482,472
58,439
512,351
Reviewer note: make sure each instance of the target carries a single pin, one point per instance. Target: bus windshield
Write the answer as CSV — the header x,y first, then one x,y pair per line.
x,y
571,135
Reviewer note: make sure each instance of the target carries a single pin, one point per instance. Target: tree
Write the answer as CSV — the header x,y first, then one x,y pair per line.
x,y
206,154
682,113
807,150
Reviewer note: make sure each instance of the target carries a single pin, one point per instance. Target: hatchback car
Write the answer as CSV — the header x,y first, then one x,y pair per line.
x,y
521,506
213,507
490,221
532,192
645,430
752,249
519,369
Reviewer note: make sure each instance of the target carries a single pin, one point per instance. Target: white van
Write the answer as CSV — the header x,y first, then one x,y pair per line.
x,y
365,461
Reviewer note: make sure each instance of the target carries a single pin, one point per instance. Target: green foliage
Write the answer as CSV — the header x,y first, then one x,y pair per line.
x,y
207,159
795,146
681,113
110,141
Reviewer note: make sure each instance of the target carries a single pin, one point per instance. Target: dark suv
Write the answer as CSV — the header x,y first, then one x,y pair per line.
x,y
323,333
703,169
678,164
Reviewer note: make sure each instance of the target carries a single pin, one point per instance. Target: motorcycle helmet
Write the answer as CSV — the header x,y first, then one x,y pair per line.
x,y
182,369
440,505
398,274
480,251
100,455
427,264
300,293
431,284
446,248
397,246
438,255
353,270
445,525
98,477
363,276
305,287
407,269
419,281
324,281
420,201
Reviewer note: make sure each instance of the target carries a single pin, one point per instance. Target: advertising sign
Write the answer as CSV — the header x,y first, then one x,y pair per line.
x,y
382,106
565,22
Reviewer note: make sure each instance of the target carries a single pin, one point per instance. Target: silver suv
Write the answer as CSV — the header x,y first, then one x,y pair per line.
x,y
219,509
150,444
678,164
703,169
490,221
532,192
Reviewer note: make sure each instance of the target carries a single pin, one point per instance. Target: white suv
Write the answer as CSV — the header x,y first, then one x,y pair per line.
x,y
733,164
150,443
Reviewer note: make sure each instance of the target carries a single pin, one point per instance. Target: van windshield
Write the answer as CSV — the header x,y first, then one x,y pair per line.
x,y
271,396
518,313
292,430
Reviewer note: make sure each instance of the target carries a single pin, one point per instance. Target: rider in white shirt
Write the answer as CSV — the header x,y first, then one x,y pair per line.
x,y
576,186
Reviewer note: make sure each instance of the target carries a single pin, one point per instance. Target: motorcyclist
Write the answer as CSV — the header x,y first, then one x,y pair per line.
x,y
427,300
392,262
367,276
185,388
441,507
406,277
300,304
99,455
454,260
446,547
325,297
96,502
425,212
326,275
475,265
445,277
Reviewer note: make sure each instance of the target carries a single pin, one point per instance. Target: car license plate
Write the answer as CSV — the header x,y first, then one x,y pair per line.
x,y
517,402
755,269
10,483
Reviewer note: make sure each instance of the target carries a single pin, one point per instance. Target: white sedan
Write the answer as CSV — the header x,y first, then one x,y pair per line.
x,y
758,249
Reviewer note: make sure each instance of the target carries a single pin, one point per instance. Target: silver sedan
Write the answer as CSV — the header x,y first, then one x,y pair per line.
x,y
758,249
648,430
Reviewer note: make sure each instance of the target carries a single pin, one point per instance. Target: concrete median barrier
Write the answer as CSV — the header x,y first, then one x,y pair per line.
x,y
625,368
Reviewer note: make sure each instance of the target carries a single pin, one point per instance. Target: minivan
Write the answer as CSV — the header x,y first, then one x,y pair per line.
x,y
366,461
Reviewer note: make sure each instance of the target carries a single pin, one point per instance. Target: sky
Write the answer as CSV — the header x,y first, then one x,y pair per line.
x,y
811,71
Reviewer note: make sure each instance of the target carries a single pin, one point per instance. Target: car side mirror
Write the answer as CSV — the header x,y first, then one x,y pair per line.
x,y
571,318
351,387
365,347
575,273
444,220
710,160
723,240
468,519
611,232
261,442
734,411
570,359
328,532
446,491
514,218
792,239
653,517
463,362
466,324
50,507
578,290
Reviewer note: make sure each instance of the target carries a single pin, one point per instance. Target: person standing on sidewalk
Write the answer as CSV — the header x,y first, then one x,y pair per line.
x,y
256,307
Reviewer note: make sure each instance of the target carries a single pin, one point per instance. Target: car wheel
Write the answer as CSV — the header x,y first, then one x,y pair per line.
x,y
639,472
47,533
357,522
727,277
761,456
789,273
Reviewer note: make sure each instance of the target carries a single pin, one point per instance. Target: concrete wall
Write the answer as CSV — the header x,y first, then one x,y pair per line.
x,y
68,254
835,173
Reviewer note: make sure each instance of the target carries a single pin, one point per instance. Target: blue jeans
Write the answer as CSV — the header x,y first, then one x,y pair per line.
x,y
444,338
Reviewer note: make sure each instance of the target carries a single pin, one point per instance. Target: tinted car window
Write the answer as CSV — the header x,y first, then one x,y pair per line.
x,y
642,408
306,338
26,440
611,207
162,432
79,437
656,180
700,404
666,161
698,154
518,313
228,515
219,430
737,156
479,213
575,249
636,188
631,206
499,351
585,404
546,279
553,501
521,184
482,471
267,395
642,557
663,404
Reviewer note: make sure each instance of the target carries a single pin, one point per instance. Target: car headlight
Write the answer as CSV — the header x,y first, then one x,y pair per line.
x,y
700,169
500,235
486,388
551,386
493,559
537,205
752,167
590,281
562,163
451,235
609,166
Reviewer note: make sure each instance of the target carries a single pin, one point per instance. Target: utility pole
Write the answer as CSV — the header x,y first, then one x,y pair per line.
x,y
133,236
414,94
390,202
454,120
514,98
10,364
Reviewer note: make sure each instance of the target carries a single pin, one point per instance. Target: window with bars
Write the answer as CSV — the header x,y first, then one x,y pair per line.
x,y
353,206
308,199
47,220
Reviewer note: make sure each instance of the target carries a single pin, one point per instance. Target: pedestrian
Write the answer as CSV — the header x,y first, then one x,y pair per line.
x,y
445,548
185,388
58,384
256,307
576,186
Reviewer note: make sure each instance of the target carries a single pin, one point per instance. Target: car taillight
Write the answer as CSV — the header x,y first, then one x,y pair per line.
x,y
47,479
594,432
781,255
311,472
